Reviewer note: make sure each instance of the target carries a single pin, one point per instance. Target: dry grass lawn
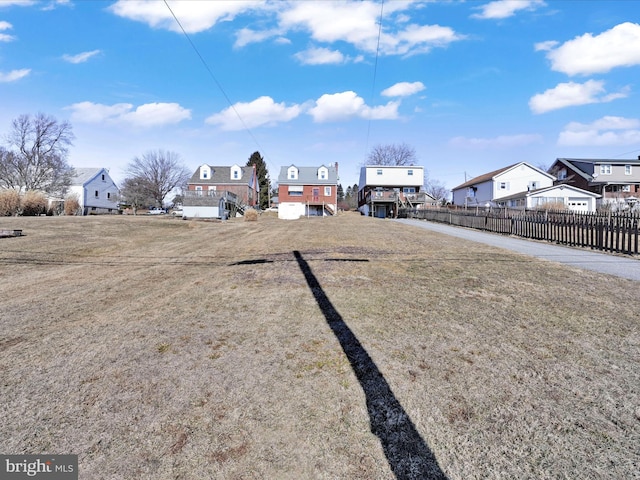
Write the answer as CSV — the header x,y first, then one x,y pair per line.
x,y
337,348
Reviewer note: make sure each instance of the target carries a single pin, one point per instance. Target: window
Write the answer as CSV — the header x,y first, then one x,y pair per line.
x,y
409,189
103,177
626,188
562,174
236,174
295,194
533,185
627,169
97,194
504,186
379,171
327,191
199,191
108,196
605,169
410,172
204,175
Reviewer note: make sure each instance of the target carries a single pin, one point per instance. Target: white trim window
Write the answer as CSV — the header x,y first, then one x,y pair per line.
x,y
605,169
627,170
327,191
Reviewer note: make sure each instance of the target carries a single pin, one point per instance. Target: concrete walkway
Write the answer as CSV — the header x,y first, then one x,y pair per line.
x,y
624,267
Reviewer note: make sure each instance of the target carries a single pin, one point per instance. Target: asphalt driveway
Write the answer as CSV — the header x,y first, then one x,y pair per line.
x,y
624,267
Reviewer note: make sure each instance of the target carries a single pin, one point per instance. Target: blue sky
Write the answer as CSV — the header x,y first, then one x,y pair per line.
x,y
472,86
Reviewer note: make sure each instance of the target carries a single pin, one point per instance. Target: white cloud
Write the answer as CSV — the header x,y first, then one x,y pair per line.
x,y
506,8
14,75
147,115
5,37
606,131
502,141
80,57
357,23
245,36
194,15
403,89
617,47
545,46
262,111
19,3
346,105
572,94
320,56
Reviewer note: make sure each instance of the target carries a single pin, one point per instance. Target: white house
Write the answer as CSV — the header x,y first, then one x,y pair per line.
x,y
566,197
488,189
95,190
383,189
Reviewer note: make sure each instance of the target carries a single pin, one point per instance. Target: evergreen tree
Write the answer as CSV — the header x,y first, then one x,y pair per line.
x,y
340,193
263,178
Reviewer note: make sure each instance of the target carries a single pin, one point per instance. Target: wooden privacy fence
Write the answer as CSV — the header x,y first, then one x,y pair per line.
x,y
609,232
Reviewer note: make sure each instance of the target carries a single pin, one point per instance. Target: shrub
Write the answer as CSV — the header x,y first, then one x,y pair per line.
x,y
33,203
250,215
9,202
71,205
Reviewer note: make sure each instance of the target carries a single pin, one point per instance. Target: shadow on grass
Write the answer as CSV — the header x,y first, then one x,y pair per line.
x,y
407,453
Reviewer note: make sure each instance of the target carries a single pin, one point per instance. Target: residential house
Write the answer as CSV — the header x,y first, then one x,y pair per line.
x,y
616,180
486,190
383,189
219,192
559,197
95,189
307,191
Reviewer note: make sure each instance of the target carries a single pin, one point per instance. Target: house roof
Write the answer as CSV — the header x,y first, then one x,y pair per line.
x,y
491,175
83,175
483,178
537,191
585,166
222,175
308,176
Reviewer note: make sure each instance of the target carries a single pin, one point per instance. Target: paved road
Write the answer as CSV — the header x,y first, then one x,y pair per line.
x,y
624,267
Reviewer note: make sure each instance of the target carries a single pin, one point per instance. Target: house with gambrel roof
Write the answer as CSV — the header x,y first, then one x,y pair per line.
x,y
486,190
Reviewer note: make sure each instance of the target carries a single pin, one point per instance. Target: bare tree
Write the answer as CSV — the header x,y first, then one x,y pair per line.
x,y
437,190
392,154
36,158
158,172
135,192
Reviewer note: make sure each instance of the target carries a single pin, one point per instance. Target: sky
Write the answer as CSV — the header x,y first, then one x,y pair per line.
x,y
472,86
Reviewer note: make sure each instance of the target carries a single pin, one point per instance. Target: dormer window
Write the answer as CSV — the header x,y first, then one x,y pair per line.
x,y
562,174
205,172
323,173
236,172
292,173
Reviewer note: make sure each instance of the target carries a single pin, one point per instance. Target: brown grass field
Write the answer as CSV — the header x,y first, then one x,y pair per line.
x,y
335,348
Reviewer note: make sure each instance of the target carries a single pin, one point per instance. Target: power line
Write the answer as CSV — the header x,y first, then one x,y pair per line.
x,y
375,72
219,85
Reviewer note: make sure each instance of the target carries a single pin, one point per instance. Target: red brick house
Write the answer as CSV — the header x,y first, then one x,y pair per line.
x,y
307,191
241,181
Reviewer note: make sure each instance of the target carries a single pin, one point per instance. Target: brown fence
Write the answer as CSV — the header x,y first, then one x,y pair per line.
x,y
599,231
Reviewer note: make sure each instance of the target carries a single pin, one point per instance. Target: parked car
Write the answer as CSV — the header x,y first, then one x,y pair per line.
x,y
177,212
157,211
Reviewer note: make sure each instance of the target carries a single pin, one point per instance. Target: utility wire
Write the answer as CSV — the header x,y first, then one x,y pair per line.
x,y
375,72
211,74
